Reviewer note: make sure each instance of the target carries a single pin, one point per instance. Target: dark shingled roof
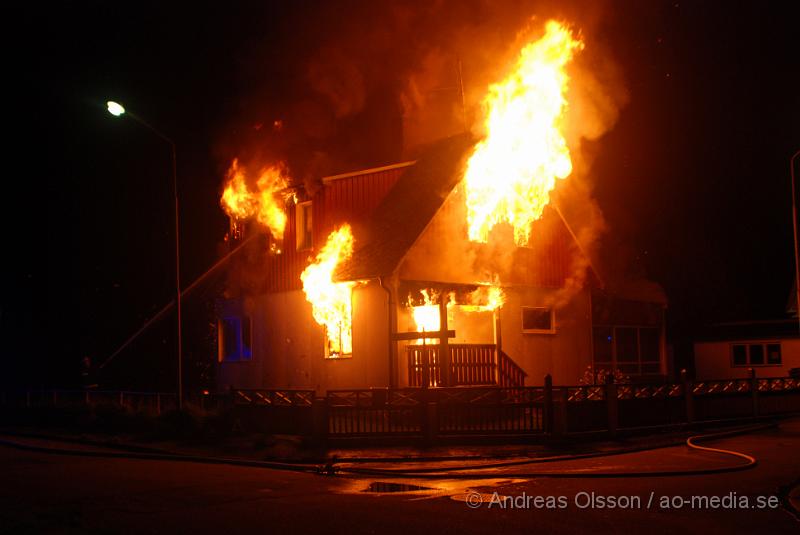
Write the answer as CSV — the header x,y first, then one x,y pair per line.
x,y
406,210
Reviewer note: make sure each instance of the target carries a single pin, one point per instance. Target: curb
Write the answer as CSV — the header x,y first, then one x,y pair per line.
x,y
162,457
329,468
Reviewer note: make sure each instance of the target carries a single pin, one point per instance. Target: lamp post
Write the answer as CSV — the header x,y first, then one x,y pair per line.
x,y
118,110
794,227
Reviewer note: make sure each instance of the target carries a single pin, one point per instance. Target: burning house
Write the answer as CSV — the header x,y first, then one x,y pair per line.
x,y
453,269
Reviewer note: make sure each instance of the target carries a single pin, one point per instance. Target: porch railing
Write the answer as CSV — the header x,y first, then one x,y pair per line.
x,y
509,373
470,365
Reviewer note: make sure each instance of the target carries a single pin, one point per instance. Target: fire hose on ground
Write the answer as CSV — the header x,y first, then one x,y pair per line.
x,y
471,472
467,472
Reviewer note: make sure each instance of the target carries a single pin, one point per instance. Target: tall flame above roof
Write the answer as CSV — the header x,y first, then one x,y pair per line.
x,y
511,172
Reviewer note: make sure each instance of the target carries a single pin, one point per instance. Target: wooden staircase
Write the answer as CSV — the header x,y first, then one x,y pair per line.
x,y
509,373
470,365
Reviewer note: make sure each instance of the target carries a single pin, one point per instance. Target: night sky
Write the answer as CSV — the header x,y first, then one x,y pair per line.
x,y
693,179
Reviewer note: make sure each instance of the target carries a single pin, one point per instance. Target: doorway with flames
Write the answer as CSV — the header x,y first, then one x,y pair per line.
x,y
452,336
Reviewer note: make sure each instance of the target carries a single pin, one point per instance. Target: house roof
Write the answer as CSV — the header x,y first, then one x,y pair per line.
x,y
775,329
406,210
413,201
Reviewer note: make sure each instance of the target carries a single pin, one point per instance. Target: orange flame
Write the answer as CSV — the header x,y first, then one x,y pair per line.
x,y
265,205
511,172
330,301
485,299
237,201
426,317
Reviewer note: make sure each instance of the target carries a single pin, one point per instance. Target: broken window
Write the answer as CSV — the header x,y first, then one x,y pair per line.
x,y
339,328
538,320
339,342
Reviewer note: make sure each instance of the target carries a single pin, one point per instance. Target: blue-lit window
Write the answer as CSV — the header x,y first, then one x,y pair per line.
x,y
631,350
235,339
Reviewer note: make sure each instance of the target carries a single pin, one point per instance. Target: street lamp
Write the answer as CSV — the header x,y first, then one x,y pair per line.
x,y
794,227
114,108
117,110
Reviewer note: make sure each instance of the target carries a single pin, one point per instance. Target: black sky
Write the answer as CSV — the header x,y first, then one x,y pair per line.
x,y
694,178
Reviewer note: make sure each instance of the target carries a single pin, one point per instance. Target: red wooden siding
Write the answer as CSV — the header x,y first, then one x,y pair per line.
x,y
547,262
551,256
350,199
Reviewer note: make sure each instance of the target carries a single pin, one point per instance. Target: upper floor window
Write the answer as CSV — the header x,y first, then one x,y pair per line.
x,y
538,320
304,226
235,339
756,354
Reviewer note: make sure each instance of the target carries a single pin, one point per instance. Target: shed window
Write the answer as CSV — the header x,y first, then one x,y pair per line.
x,y
756,354
740,355
773,353
538,320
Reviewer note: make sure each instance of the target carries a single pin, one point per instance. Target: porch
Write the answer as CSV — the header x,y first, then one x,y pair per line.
x,y
468,365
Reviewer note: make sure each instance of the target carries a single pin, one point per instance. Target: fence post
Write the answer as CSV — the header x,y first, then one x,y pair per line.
x,y
319,417
754,391
612,405
562,423
688,396
55,398
28,398
548,404
431,417
158,403
431,421
426,366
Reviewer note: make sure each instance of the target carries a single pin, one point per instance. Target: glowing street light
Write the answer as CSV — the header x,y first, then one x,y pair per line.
x,y
115,108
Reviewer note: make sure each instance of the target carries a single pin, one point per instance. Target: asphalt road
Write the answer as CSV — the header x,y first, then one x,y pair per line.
x,y
49,493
